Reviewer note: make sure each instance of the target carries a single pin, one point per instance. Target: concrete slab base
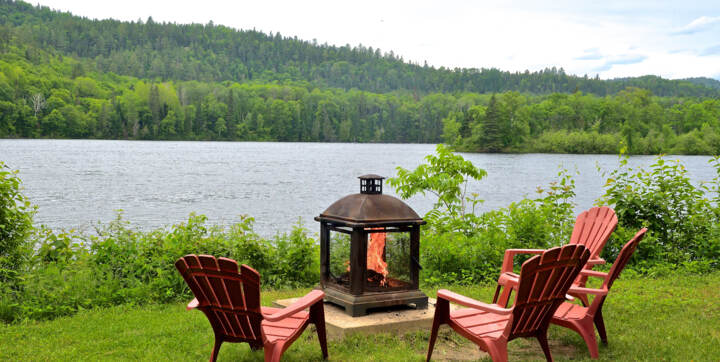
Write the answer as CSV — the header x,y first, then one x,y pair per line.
x,y
399,319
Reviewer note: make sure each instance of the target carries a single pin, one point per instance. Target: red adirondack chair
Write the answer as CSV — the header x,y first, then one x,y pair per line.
x,y
592,229
231,302
580,318
544,280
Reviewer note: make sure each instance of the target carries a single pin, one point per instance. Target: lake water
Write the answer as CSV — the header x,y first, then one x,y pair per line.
x,y
77,183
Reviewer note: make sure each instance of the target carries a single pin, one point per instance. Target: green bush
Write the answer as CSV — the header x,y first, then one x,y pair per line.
x,y
579,142
684,225
682,221
70,271
460,246
16,216
53,273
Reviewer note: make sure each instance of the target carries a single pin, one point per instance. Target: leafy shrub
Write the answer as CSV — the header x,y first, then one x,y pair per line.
x,y
460,246
682,222
445,176
296,260
581,142
55,273
16,216
73,271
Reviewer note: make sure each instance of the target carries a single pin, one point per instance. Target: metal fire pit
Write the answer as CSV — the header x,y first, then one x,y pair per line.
x,y
382,234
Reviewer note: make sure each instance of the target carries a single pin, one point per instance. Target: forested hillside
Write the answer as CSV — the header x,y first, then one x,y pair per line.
x,y
167,51
63,76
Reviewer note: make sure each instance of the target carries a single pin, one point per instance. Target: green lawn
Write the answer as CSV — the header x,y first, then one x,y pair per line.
x,y
672,318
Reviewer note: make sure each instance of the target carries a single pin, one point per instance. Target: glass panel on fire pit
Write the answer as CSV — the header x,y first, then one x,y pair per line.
x,y
340,259
388,265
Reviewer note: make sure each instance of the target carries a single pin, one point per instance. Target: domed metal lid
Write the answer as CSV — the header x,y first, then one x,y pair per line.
x,y
370,209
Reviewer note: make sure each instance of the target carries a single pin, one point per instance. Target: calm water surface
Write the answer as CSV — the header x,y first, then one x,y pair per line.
x,y
77,183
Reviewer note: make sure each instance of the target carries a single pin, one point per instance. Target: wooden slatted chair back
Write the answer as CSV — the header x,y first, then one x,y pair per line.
x,y
544,281
231,300
593,228
624,256
620,262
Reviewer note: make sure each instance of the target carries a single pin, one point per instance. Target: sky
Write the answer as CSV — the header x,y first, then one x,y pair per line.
x,y
672,39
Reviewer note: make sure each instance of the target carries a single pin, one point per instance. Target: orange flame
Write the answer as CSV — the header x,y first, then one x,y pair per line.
x,y
375,261
376,246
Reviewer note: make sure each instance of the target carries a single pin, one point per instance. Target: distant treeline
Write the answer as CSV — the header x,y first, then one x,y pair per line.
x,y
55,88
215,53
59,99
580,123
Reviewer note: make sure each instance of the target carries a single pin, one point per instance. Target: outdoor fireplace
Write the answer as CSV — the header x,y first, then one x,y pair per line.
x,y
370,251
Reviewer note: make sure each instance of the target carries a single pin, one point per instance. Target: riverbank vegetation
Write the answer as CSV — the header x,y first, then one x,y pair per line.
x,y
52,273
62,76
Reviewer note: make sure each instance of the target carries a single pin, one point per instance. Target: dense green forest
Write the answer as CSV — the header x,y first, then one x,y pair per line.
x,y
63,76
213,53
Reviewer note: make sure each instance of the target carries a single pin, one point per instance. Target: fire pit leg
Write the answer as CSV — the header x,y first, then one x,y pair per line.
x,y
421,305
356,311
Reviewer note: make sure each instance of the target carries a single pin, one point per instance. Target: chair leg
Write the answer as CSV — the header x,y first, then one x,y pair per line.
x,y
542,338
498,351
442,313
216,349
273,352
317,316
587,332
600,324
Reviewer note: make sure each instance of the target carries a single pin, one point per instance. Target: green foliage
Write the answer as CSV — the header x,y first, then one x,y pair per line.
x,y
682,222
492,134
460,246
575,142
295,261
62,76
468,248
16,214
215,53
71,271
445,175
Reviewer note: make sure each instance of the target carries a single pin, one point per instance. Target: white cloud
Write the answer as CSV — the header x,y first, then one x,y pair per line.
x,y
620,60
590,54
697,25
713,50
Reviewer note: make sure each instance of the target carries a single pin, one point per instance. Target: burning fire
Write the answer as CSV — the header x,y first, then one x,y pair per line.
x,y
375,261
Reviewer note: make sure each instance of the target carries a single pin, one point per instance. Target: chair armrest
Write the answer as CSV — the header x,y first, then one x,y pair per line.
x,y
507,265
193,304
593,291
597,261
593,273
508,280
302,303
471,303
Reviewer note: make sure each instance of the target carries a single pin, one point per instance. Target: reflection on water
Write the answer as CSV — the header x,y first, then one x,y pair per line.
x,y
76,183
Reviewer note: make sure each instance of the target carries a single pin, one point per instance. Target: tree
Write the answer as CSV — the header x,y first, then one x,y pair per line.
x,y
451,130
492,138
444,174
38,102
167,125
154,103
220,127
53,123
